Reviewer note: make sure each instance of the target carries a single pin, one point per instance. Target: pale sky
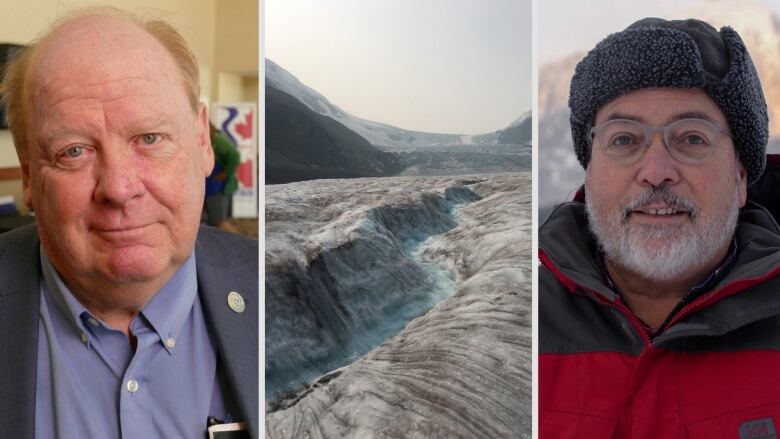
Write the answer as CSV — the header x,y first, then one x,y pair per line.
x,y
568,26
448,66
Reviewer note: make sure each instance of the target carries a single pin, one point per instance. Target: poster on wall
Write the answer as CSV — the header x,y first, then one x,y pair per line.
x,y
238,122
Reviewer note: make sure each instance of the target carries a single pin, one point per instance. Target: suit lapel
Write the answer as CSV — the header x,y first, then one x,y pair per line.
x,y
224,267
19,311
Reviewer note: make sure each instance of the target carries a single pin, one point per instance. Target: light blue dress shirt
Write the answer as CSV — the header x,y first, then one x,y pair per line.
x,y
92,384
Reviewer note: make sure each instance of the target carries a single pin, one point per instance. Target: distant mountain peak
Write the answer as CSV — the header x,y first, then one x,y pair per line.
x,y
523,117
379,134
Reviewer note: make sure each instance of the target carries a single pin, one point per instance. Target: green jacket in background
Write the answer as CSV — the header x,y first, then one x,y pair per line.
x,y
228,158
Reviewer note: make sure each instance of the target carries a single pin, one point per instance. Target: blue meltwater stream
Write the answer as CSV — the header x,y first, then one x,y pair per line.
x,y
439,283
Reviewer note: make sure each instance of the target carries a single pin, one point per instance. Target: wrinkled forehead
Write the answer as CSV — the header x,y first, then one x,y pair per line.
x,y
97,49
662,106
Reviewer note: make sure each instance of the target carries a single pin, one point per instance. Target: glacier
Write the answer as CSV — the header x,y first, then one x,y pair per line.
x,y
387,137
352,268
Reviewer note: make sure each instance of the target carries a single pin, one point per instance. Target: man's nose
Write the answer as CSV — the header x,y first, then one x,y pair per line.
x,y
118,176
657,166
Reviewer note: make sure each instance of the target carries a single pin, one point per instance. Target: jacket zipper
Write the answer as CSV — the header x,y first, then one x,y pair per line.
x,y
727,290
573,286
632,318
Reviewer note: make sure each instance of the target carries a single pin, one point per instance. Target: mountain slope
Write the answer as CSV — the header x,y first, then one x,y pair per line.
x,y
383,136
517,133
304,145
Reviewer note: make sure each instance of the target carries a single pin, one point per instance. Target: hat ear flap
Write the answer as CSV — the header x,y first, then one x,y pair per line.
x,y
741,98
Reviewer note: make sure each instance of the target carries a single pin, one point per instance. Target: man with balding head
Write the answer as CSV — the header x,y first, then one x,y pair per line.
x,y
659,304
122,317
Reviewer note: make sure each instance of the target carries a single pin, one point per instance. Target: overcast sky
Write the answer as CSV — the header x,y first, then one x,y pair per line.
x,y
567,26
450,66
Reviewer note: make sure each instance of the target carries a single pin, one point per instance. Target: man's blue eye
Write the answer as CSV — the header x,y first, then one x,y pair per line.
x,y
149,139
623,140
74,151
695,139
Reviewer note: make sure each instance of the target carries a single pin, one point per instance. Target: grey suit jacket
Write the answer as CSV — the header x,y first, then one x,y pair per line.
x,y
226,262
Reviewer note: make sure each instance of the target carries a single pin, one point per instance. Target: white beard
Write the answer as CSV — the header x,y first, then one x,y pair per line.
x,y
661,252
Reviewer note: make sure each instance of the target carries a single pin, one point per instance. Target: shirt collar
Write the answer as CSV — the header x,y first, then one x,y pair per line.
x,y
61,294
166,311
710,281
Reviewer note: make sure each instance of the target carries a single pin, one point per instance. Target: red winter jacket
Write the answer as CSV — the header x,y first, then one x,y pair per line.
x,y
714,372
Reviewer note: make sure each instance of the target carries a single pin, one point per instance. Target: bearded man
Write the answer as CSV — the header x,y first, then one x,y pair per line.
x,y
659,309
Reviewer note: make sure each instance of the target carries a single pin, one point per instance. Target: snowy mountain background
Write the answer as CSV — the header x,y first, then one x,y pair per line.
x,y
388,137
308,137
560,175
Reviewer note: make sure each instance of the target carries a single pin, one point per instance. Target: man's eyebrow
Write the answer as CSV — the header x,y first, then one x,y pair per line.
x,y
150,122
618,115
692,115
674,117
141,124
50,136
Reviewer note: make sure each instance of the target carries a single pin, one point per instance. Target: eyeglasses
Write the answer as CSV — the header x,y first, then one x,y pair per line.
x,y
689,141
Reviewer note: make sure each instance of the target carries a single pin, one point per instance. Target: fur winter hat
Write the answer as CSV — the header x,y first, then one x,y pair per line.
x,y
655,53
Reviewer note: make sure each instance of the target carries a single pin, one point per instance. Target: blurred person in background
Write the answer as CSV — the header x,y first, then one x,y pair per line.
x,y
222,182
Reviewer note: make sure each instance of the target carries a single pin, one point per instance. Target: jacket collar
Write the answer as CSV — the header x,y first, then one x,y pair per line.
x,y
19,308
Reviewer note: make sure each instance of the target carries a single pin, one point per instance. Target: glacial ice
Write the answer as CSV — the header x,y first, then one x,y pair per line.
x,y
335,290
340,253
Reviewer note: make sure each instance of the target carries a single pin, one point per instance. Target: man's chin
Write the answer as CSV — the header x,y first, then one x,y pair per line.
x,y
666,233
658,259
659,246
136,265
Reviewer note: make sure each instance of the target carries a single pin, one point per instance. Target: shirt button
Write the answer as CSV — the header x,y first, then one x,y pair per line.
x,y
92,321
84,337
170,343
132,386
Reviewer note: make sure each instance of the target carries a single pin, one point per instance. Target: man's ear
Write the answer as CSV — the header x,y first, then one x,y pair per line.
x,y
742,184
204,140
26,192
